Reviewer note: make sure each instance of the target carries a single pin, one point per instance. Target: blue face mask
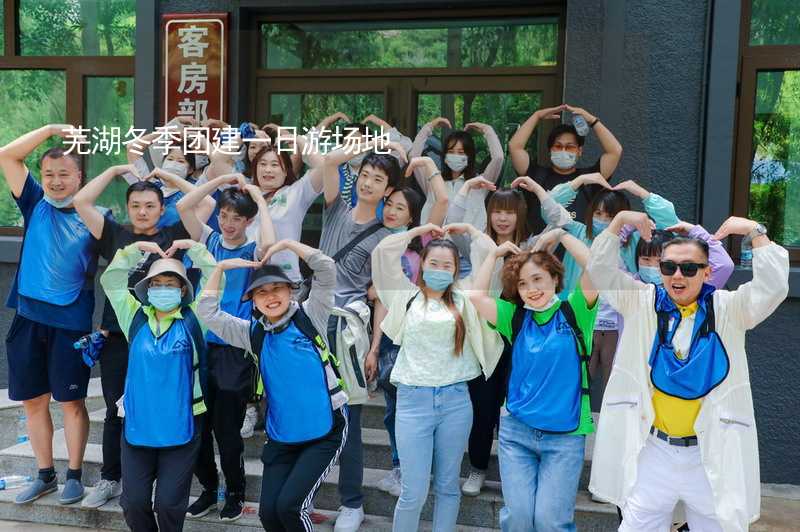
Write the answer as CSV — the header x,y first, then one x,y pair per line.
x,y
164,298
58,204
395,230
598,226
650,274
437,280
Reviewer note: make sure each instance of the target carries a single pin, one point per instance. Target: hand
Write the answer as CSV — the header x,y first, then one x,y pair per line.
x,y
632,187
124,169
179,244
640,221
398,149
255,192
550,113
164,176
214,123
735,225
505,248
63,130
440,122
459,228
526,183
371,365
682,228
152,248
595,178
549,240
280,245
233,264
331,119
477,183
380,122
480,127
579,111
420,162
435,230
266,128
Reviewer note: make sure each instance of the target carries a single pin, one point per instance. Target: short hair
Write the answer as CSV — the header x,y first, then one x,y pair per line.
x,y
679,240
388,164
512,266
611,201
560,130
145,186
58,152
284,161
239,202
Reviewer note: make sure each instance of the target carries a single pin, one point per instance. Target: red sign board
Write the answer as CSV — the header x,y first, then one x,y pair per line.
x,y
195,65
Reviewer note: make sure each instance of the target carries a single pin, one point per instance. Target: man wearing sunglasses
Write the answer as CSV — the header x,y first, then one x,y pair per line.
x,y
564,150
677,420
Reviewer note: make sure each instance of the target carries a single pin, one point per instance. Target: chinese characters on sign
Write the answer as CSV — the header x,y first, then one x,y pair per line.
x,y
195,66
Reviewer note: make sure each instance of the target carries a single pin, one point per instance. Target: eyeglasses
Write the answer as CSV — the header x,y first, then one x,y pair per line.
x,y
569,148
688,269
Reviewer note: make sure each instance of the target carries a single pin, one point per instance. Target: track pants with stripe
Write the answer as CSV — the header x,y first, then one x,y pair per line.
x,y
292,475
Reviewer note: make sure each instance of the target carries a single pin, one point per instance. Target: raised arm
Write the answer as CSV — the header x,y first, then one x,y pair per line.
x,y
433,177
718,259
553,212
661,210
187,205
13,154
495,166
578,250
612,149
230,328
479,294
387,270
84,201
516,146
203,208
418,146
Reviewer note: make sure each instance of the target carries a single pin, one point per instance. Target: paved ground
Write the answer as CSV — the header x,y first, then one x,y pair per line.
x,y
16,526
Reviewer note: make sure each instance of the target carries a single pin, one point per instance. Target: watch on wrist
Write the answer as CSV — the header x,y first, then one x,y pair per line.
x,y
594,122
758,230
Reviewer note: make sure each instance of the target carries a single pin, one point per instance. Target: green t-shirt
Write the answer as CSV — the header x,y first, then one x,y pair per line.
x,y
583,315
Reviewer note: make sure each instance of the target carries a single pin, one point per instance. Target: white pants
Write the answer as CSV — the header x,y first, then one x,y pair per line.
x,y
668,474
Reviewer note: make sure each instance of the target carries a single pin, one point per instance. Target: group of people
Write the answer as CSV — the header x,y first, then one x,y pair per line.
x,y
474,307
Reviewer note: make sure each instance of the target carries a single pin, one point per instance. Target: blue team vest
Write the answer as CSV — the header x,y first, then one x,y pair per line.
x,y
171,215
299,404
159,386
58,256
707,363
545,383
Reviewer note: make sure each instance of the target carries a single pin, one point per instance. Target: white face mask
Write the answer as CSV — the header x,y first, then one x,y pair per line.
x,y
59,204
553,301
175,168
455,162
563,159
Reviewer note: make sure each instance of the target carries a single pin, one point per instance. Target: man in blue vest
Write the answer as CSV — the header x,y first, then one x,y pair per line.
x,y
53,295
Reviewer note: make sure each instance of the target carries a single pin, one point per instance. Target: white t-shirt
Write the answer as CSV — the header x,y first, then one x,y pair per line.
x,y
288,208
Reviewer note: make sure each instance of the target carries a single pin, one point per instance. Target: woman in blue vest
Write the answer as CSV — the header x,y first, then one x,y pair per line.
x,y
163,394
547,415
306,426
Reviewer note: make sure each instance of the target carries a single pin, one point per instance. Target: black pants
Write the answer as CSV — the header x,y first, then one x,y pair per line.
x,y
487,398
171,470
230,379
113,369
293,474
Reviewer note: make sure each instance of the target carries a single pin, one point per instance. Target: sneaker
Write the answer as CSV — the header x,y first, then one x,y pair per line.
x,y
349,519
72,492
249,423
474,483
34,490
203,504
391,482
104,491
234,507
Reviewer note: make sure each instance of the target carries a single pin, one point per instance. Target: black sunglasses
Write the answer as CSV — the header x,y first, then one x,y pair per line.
x,y
688,269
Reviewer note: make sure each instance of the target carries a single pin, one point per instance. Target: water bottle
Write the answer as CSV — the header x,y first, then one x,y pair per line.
x,y
746,253
13,481
221,497
580,125
22,429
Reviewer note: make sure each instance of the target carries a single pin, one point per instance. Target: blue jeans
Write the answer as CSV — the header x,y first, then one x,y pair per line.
x,y
389,421
540,473
432,427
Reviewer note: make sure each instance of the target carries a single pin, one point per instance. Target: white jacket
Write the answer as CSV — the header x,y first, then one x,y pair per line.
x,y
725,425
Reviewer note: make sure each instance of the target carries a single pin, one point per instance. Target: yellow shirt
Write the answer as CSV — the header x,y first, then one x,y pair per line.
x,y
676,416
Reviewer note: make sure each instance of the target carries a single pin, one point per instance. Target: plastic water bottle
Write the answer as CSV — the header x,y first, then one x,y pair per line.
x,y
580,125
13,481
221,497
22,429
746,253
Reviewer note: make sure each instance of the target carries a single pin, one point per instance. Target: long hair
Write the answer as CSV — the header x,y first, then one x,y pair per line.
x,y
512,266
469,150
415,202
447,296
283,160
508,200
611,201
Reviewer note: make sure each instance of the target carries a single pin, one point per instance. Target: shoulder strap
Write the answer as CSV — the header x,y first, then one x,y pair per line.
x,y
569,315
372,229
257,334
139,321
516,321
408,304
710,324
306,326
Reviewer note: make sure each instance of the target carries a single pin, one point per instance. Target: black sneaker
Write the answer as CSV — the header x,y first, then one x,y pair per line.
x,y
203,504
234,507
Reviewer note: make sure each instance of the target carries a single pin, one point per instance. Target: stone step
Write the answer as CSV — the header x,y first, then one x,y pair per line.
x,y
377,452
110,517
480,511
11,410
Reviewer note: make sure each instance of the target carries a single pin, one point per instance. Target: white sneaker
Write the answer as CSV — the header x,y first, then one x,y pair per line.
x,y
391,482
249,423
104,491
349,519
474,483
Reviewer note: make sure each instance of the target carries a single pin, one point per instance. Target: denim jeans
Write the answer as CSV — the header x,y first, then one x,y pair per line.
x,y
540,473
432,427
389,417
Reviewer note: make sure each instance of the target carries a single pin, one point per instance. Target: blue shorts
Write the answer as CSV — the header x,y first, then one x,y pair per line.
x,y
41,360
